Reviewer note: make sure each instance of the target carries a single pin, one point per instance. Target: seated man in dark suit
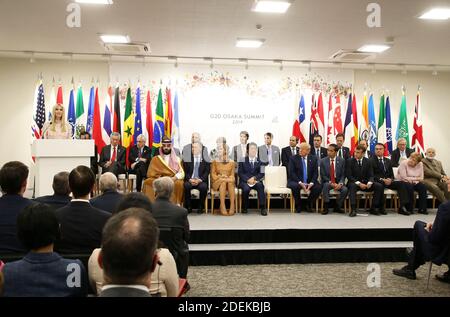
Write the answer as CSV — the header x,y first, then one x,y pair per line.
x,y
359,172
196,173
289,151
113,156
251,176
400,153
42,272
431,243
13,183
61,190
81,224
332,174
173,223
303,173
343,151
110,197
139,159
318,151
384,174
128,255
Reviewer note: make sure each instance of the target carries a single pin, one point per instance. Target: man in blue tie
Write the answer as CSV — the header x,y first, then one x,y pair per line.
x,y
303,173
196,177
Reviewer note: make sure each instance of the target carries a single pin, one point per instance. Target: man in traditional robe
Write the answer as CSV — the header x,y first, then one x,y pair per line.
x,y
165,164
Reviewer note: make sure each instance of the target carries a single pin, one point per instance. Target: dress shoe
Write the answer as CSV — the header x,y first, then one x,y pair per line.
x,y
200,210
244,211
189,210
403,211
444,277
353,213
298,211
382,212
325,211
263,212
405,272
308,207
374,212
423,211
338,210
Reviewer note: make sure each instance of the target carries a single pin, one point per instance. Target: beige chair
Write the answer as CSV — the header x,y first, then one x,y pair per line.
x,y
275,182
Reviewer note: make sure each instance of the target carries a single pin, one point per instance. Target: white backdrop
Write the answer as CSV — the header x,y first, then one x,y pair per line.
x,y
229,99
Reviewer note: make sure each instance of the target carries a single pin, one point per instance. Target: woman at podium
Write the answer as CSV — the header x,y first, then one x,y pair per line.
x,y
58,128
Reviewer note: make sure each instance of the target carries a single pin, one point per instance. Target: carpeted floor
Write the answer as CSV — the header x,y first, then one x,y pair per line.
x,y
293,280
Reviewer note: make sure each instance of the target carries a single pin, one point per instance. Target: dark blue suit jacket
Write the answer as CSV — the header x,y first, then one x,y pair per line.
x,y
296,169
43,274
54,201
107,201
245,170
439,236
339,166
10,206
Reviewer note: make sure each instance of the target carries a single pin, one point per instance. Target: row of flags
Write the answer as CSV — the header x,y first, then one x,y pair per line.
x,y
368,129
135,121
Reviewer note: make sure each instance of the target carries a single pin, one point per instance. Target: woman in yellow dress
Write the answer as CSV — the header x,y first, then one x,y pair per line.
x,y
222,178
58,128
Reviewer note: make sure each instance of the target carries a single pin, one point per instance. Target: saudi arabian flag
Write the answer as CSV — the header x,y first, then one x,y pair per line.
x,y
402,127
128,122
381,132
79,110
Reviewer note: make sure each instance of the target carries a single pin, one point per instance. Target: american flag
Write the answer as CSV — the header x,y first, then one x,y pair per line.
x,y
39,114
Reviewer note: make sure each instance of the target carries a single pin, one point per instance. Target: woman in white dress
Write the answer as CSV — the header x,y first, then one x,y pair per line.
x,y
58,128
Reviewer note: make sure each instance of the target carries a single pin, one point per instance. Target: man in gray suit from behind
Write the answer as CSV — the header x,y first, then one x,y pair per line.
x,y
334,180
128,255
268,154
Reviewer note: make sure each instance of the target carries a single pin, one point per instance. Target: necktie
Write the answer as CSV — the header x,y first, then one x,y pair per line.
x,y
253,164
382,163
293,151
140,153
196,165
114,156
359,163
340,152
332,177
269,153
305,171
318,153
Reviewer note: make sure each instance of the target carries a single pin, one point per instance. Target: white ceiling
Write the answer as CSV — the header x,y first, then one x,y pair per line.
x,y
311,30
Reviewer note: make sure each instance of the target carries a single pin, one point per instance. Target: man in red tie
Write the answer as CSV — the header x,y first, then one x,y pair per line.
x,y
332,174
113,156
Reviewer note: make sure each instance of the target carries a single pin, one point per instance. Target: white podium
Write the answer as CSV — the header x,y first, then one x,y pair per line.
x,y
54,156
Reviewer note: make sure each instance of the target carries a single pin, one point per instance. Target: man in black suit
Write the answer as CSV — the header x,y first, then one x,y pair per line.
x,y
128,255
367,153
384,174
81,224
400,153
303,173
196,173
173,224
360,177
139,159
318,151
110,197
13,183
113,156
251,175
431,243
61,190
332,174
343,151
187,149
289,151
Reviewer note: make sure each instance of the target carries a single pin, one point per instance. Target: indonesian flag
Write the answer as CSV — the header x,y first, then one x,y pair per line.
x,y
417,138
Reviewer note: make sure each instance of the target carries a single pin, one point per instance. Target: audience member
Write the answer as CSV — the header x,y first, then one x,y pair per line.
x,y
61,192
110,197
